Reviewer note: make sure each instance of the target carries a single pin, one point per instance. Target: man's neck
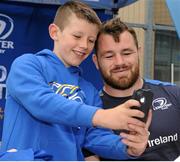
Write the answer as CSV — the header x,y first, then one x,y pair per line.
x,y
123,93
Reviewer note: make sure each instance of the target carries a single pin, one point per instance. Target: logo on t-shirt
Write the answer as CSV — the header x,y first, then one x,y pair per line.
x,y
160,104
70,92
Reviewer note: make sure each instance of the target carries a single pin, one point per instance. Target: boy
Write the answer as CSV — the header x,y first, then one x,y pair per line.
x,y
50,106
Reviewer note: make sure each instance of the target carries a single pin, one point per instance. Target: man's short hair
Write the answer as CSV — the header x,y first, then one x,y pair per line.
x,y
115,27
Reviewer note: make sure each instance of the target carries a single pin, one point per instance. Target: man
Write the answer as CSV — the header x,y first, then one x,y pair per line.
x,y
50,106
117,58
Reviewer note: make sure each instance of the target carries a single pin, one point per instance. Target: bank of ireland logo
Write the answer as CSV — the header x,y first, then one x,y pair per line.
x,y
6,26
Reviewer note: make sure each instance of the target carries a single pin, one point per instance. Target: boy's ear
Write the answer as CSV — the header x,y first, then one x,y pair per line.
x,y
94,58
53,31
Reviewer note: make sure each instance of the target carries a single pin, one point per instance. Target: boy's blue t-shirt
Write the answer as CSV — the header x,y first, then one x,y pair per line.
x,y
50,107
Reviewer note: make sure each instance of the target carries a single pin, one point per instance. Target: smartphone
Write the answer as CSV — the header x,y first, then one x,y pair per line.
x,y
145,97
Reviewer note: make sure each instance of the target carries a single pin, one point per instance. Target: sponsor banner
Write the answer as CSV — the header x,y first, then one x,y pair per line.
x,y
96,4
24,29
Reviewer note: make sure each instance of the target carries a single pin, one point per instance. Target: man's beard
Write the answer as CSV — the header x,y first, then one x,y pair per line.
x,y
121,83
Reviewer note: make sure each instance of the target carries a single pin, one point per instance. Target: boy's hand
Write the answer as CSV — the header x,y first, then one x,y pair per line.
x,y
119,117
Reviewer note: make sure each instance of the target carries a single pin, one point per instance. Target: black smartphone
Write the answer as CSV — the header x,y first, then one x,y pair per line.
x,y
145,97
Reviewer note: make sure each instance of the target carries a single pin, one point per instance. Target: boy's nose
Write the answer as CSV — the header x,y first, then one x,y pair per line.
x,y
84,44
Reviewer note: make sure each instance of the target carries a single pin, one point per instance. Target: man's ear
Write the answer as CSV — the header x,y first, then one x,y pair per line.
x,y
94,58
140,52
53,31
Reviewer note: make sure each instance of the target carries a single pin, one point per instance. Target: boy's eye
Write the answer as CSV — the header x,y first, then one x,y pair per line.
x,y
92,41
77,36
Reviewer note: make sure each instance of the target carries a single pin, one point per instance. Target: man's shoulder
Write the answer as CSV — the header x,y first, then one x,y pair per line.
x,y
159,87
158,82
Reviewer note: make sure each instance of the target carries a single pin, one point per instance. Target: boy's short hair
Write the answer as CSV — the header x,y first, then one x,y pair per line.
x,y
115,27
78,8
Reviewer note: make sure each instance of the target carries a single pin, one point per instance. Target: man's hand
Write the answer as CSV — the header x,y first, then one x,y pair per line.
x,y
138,137
92,158
119,117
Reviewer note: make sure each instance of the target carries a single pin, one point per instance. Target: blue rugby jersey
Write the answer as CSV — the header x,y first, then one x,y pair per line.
x,y
164,140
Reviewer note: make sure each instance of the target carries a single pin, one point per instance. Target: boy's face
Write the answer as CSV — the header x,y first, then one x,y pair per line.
x,y
76,41
118,61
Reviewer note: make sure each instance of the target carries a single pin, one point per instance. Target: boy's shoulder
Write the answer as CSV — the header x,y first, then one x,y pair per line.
x,y
22,59
30,56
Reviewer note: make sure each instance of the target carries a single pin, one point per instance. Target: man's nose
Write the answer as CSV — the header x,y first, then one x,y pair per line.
x,y
119,59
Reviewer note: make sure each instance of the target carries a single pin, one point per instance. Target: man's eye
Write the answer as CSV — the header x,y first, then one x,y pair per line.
x,y
128,53
109,56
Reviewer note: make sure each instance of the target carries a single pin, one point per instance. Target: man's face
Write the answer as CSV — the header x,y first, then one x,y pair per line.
x,y
76,41
118,62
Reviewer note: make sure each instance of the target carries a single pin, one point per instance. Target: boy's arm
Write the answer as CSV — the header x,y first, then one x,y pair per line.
x,y
119,117
27,85
108,145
